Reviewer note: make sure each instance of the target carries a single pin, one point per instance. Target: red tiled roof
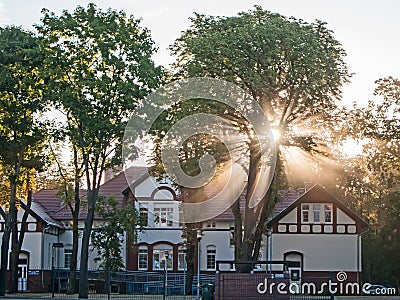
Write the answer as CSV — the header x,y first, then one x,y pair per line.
x,y
215,188
115,186
53,205
49,199
51,202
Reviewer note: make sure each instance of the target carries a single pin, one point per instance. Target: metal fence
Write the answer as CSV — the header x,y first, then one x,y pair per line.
x,y
134,282
161,285
116,285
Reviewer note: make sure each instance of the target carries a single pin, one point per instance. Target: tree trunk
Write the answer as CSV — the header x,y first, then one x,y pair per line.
x,y
191,251
19,241
75,230
74,256
248,245
5,242
83,271
238,231
268,203
251,215
14,238
11,231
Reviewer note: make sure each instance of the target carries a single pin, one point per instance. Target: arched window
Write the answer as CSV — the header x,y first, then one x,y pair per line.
x,y
162,256
211,257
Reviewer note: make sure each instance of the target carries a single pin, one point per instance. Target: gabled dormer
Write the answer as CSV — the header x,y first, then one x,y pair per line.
x,y
317,212
156,200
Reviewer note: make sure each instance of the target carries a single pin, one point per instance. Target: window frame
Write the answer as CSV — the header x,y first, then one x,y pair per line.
x,y
160,253
303,210
330,205
144,216
231,236
311,210
211,256
182,252
145,252
316,212
158,217
67,253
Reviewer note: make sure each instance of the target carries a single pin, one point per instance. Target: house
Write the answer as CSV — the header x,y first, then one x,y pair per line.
x,y
49,226
310,227
320,233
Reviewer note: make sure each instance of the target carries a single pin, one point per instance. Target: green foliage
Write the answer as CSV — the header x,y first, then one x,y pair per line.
x,y
108,237
22,134
99,66
370,183
293,68
197,145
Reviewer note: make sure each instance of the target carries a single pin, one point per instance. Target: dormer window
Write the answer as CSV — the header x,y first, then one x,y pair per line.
x,y
328,213
319,213
305,213
163,216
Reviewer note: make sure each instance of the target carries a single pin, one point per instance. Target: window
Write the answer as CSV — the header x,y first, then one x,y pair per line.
x,y
182,259
142,258
328,213
144,216
211,225
211,253
232,236
316,213
161,256
67,258
163,216
305,213
258,267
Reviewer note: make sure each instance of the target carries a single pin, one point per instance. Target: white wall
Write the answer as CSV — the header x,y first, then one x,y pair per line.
x,y
321,252
146,188
343,218
219,239
291,217
166,235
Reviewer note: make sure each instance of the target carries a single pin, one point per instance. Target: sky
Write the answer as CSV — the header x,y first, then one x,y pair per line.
x,y
368,30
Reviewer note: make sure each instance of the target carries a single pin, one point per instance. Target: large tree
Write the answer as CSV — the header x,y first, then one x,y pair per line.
x,y
22,134
293,69
367,180
100,66
372,183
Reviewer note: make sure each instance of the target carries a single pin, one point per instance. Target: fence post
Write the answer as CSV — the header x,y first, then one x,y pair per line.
x,y
219,281
108,283
165,280
332,279
53,279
